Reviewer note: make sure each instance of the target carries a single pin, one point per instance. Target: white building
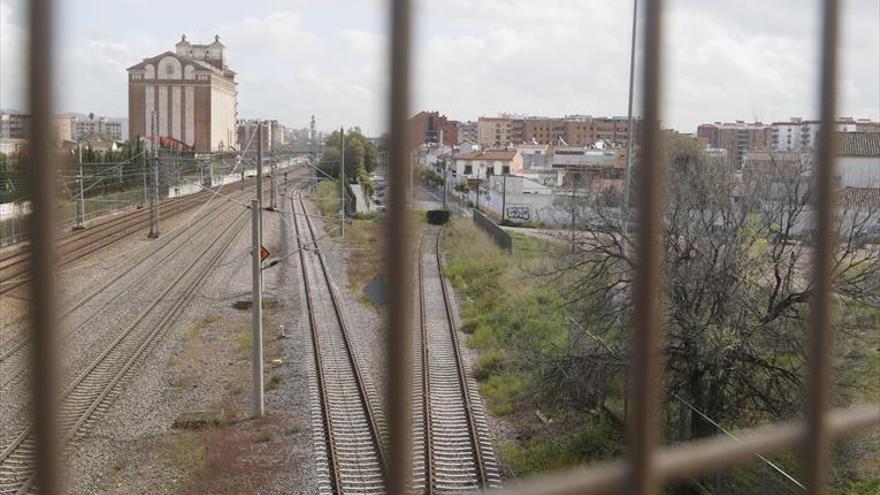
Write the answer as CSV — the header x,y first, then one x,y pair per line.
x,y
858,159
98,128
800,135
479,165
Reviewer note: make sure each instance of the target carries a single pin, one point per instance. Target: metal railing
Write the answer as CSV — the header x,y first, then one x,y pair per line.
x,y
647,466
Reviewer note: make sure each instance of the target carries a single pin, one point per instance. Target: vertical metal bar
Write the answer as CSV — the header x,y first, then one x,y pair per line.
x,y
342,195
818,440
257,315
399,256
43,304
643,430
260,165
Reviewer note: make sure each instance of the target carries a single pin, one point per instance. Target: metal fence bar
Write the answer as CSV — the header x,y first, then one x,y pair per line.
x,y
43,303
643,431
679,462
398,261
817,441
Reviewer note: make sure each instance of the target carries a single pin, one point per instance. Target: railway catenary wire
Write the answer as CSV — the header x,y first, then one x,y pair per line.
x,y
454,448
13,352
145,254
349,437
96,386
92,240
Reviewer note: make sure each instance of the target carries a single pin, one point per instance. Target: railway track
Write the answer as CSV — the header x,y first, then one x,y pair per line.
x,y
13,352
453,448
14,266
348,427
92,391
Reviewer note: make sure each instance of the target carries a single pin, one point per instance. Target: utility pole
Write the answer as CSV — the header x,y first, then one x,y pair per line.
x,y
257,322
342,177
154,203
504,199
573,206
144,157
445,186
273,194
260,165
81,205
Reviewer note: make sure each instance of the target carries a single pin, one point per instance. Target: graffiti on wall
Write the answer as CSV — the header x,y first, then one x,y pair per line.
x,y
518,213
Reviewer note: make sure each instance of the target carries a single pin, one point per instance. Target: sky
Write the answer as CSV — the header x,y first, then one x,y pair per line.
x,y
725,60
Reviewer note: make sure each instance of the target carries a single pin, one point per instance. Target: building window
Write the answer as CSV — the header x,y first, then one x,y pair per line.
x,y
468,169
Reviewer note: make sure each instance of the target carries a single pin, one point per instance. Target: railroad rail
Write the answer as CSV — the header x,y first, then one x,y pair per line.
x,y
14,265
453,447
91,392
349,432
13,352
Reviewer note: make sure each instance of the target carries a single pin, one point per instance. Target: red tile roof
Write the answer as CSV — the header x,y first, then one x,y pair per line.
x,y
503,155
857,144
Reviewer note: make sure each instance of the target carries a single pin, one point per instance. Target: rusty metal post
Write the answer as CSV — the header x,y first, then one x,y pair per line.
x,y
643,432
399,256
818,441
43,304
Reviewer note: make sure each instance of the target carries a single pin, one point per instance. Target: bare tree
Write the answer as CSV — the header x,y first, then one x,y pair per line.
x,y
736,288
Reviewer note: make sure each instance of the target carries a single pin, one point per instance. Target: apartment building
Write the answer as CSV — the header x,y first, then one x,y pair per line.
x,y
736,138
467,132
798,134
494,132
432,128
273,134
14,125
570,130
97,128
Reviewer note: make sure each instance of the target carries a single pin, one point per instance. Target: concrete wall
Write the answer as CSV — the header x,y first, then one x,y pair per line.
x,y
857,171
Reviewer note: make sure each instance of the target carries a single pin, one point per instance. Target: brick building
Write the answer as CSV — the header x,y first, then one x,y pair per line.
x,y
191,95
736,138
494,132
571,130
432,128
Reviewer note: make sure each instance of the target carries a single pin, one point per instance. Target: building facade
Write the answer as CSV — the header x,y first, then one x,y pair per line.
x,y
14,125
189,96
736,138
273,134
98,128
467,132
432,128
494,132
858,159
800,135
480,165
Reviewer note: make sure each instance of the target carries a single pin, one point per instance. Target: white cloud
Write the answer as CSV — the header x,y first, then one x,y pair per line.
x,y
726,60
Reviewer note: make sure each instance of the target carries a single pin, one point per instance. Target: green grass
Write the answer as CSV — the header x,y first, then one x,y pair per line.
x,y
265,436
516,320
326,197
272,383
